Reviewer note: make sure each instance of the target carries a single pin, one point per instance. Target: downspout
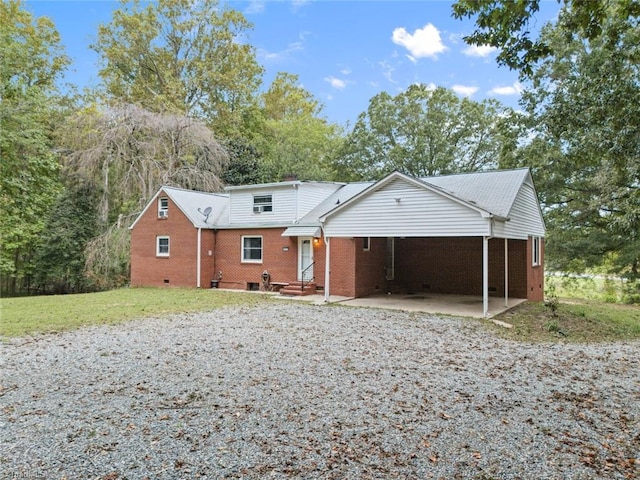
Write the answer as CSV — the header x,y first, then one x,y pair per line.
x,y
199,255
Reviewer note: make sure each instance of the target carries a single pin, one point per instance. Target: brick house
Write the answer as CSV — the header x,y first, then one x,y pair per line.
x,y
476,233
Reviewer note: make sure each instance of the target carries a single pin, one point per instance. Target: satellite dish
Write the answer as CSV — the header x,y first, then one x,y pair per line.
x,y
206,212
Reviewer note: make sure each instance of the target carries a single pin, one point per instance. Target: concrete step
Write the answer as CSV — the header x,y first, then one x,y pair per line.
x,y
296,289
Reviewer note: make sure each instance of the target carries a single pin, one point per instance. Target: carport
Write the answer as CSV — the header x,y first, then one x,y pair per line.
x,y
472,234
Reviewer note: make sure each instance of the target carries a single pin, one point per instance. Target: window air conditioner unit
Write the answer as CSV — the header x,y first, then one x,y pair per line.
x,y
163,214
258,209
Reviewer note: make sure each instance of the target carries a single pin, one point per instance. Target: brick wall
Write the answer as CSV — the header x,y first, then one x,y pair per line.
x,y
444,265
343,267
280,263
535,275
179,268
370,267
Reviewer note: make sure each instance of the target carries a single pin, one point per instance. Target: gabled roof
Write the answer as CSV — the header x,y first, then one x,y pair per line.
x,y
338,197
192,204
411,180
493,191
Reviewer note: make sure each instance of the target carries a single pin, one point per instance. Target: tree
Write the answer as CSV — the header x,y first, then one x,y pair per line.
x,y
60,259
32,62
183,57
243,167
423,132
585,106
127,153
507,26
296,141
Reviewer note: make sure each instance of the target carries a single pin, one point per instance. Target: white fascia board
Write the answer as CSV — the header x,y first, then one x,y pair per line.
x,y
392,176
263,185
144,210
247,226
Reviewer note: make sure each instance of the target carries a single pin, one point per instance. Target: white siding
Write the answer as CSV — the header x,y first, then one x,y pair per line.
x,y
284,205
419,213
311,194
525,218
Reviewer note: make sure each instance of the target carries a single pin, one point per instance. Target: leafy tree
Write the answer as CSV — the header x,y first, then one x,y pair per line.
x,y
585,106
243,167
60,259
424,132
184,57
32,62
296,140
507,25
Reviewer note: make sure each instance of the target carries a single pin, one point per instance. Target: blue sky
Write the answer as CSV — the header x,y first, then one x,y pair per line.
x,y
344,52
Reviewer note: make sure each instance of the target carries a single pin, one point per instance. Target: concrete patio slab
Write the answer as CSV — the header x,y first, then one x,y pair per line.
x,y
446,304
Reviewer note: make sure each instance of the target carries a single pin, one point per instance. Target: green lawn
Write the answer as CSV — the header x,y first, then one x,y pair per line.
x,y
576,321
54,313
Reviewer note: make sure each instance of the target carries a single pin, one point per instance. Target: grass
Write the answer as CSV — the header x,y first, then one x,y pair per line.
x,y
576,321
604,289
55,313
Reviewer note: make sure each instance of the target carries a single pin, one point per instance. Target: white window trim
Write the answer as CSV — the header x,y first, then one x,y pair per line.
x,y
248,260
163,209
535,251
260,205
368,244
163,254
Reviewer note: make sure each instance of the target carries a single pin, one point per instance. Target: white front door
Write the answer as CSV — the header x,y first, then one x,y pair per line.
x,y
305,258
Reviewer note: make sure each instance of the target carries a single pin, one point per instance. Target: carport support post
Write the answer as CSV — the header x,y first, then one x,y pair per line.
x,y
327,269
506,272
485,276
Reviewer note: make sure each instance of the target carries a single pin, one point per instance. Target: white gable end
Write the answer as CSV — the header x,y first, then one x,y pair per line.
x,y
403,209
525,218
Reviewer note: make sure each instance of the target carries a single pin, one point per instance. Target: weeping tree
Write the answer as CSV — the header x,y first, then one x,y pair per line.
x,y
125,154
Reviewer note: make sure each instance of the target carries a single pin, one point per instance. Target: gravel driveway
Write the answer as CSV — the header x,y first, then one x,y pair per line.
x,y
301,391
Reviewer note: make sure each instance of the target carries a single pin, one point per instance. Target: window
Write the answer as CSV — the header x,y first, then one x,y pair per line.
x,y
163,207
536,251
262,203
252,249
162,246
366,244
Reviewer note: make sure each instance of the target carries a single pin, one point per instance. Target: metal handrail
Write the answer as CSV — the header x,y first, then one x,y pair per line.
x,y
302,284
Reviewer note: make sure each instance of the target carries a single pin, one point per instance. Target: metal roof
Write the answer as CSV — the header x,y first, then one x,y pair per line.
x,y
192,203
302,231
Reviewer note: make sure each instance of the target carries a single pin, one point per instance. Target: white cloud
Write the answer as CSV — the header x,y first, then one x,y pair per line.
x,y
514,89
464,90
425,42
282,55
336,83
345,71
387,71
255,6
482,51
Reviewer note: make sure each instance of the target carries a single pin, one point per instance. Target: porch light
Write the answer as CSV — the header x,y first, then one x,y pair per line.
x,y
398,200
